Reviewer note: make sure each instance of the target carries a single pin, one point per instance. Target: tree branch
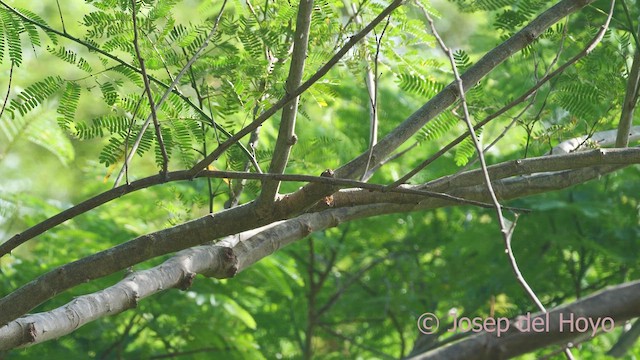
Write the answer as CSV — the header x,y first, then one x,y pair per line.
x,y
115,193
286,134
225,258
630,101
228,222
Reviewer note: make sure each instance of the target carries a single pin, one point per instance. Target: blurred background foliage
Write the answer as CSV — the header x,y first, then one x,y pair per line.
x,y
355,291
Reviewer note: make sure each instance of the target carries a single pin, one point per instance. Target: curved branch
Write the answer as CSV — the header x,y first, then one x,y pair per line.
x,y
183,175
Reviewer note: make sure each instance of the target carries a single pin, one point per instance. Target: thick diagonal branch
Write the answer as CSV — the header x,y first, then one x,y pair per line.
x,y
618,303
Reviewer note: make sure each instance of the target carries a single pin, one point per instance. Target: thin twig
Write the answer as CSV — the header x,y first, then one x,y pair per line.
x,y
506,230
168,91
372,85
128,136
147,90
6,97
4,106
203,128
371,77
630,100
64,30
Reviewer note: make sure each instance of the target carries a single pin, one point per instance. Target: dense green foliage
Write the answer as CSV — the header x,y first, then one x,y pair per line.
x,y
77,103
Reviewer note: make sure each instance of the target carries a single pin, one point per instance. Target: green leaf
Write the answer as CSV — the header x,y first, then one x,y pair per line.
x,y
237,311
11,29
68,105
